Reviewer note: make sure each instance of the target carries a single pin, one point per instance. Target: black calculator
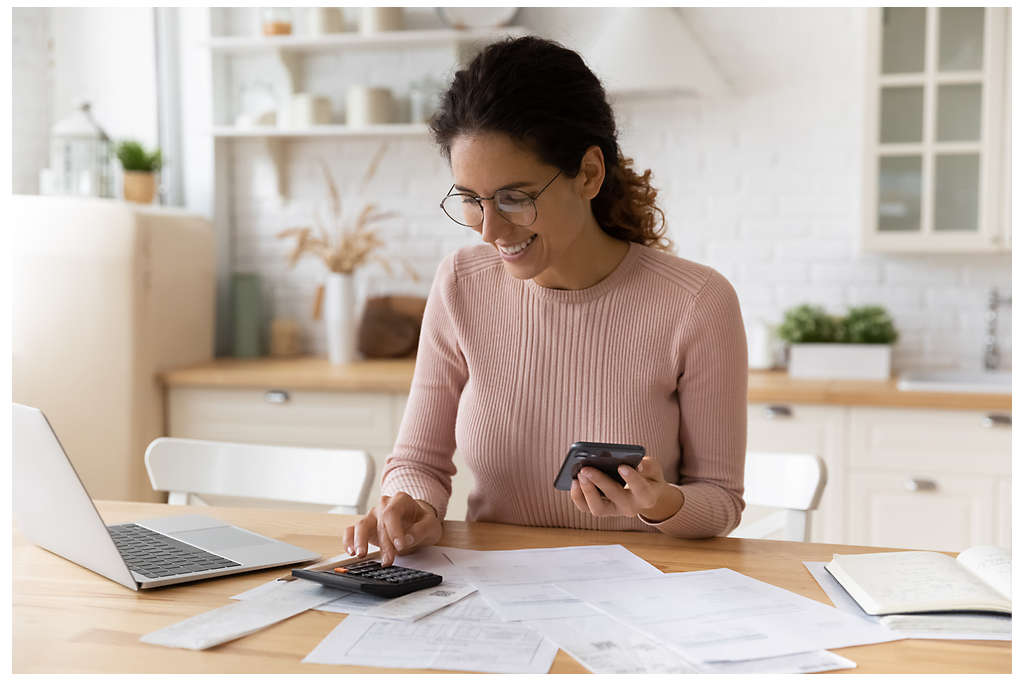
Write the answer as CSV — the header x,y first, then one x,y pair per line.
x,y
372,578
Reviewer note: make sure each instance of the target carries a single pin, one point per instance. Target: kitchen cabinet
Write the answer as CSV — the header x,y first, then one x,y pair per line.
x,y
927,479
948,511
898,477
905,469
937,130
355,420
812,429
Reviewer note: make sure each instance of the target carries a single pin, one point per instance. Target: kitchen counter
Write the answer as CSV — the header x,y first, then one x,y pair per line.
x,y
395,376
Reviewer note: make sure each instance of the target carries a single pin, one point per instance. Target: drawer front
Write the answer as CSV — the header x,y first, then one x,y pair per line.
x,y
916,510
811,429
930,440
310,418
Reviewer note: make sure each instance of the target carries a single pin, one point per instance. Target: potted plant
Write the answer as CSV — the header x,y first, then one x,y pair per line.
x,y
857,346
140,169
353,244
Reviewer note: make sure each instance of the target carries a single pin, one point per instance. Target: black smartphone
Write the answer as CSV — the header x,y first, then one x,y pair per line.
x,y
603,456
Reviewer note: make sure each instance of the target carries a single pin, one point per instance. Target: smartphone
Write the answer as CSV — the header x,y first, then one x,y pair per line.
x,y
604,456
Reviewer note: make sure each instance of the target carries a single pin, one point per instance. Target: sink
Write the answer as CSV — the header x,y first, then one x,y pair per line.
x,y
956,381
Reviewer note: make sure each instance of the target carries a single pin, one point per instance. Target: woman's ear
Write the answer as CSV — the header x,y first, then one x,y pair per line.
x,y
591,175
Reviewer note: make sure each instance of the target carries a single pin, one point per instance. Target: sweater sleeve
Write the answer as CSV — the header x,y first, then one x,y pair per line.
x,y
421,462
712,390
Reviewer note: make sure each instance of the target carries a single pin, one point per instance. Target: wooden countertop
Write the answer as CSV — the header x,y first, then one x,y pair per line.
x,y
66,619
395,376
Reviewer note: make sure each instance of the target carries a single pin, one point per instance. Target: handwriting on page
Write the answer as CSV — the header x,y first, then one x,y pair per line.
x,y
910,577
991,564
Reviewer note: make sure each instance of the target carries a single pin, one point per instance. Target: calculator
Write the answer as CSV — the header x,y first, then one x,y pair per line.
x,y
370,577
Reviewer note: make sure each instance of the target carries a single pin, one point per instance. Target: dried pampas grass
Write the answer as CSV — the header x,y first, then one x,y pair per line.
x,y
353,247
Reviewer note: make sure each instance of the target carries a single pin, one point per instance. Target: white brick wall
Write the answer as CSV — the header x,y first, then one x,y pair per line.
x,y
763,185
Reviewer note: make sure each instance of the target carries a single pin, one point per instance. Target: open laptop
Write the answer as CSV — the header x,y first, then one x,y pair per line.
x,y
53,510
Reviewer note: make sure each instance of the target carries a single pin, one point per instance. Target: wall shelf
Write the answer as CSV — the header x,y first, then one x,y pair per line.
x,y
380,130
332,42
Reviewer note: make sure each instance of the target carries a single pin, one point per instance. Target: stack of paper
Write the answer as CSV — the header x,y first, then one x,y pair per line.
x,y
510,612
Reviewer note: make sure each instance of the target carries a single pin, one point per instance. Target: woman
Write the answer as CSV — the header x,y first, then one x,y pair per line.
x,y
571,322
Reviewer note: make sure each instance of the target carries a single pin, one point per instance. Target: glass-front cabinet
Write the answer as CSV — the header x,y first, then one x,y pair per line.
x,y
937,161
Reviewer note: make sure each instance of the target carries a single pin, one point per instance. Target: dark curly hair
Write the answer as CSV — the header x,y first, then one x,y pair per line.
x,y
543,96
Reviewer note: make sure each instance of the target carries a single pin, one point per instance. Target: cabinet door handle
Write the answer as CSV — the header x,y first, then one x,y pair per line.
x,y
993,420
778,411
277,397
920,485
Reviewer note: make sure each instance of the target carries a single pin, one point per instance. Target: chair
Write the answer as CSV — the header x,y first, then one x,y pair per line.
x,y
790,483
204,472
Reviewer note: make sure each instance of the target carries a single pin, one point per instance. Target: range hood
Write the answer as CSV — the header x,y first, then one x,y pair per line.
x,y
650,51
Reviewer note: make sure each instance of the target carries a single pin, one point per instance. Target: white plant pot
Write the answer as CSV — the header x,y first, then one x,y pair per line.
x,y
869,361
340,318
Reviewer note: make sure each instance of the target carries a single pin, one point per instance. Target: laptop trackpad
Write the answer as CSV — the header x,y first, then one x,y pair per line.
x,y
220,538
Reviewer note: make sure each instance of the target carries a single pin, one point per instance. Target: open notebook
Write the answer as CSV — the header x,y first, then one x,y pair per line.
x,y
924,582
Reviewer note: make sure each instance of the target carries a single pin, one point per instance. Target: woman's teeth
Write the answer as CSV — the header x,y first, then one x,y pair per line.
x,y
513,250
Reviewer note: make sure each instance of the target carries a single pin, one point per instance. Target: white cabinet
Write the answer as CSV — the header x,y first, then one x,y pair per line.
x,y
937,130
330,419
926,479
899,477
948,512
812,429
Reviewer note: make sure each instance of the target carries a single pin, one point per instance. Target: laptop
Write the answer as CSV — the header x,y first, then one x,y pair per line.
x,y
53,510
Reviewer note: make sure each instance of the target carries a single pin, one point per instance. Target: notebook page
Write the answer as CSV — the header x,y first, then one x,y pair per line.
x,y
991,564
912,581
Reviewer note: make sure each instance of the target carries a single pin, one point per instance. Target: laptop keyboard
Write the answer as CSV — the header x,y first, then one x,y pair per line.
x,y
158,556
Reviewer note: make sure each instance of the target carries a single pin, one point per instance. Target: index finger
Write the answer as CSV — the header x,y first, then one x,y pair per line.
x,y
396,521
615,493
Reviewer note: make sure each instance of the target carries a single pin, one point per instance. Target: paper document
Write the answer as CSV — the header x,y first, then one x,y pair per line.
x,y
520,584
916,626
722,615
244,617
436,644
603,645
472,609
416,605
810,662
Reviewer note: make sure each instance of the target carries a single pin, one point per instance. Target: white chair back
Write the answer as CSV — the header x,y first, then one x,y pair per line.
x,y
189,469
789,482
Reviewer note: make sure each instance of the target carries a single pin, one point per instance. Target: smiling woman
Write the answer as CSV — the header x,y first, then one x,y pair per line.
x,y
572,321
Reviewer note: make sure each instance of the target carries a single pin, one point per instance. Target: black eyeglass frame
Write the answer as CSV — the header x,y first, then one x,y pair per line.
x,y
479,202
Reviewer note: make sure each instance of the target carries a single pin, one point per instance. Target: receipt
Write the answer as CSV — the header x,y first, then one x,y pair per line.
x,y
243,617
415,605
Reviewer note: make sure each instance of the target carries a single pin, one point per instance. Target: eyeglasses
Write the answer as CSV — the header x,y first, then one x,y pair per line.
x,y
514,205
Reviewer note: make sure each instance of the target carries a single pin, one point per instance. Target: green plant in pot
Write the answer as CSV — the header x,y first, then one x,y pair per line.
x,y
140,169
867,324
855,346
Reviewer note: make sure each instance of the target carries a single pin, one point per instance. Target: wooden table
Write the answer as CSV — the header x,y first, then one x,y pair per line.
x,y
69,620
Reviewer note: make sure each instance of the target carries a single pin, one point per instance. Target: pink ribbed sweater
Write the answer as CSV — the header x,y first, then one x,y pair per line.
x,y
511,373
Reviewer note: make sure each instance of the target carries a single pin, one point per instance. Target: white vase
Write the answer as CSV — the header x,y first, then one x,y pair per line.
x,y
340,318
840,361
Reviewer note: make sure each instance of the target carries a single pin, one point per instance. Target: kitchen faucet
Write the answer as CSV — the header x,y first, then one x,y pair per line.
x,y
991,347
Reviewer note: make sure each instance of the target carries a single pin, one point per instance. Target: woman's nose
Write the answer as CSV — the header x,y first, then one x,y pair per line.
x,y
494,224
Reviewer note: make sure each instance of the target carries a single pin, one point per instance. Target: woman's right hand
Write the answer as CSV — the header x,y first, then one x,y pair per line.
x,y
398,525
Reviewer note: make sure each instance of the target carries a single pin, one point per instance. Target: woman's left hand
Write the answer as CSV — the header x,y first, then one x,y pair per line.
x,y
646,492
